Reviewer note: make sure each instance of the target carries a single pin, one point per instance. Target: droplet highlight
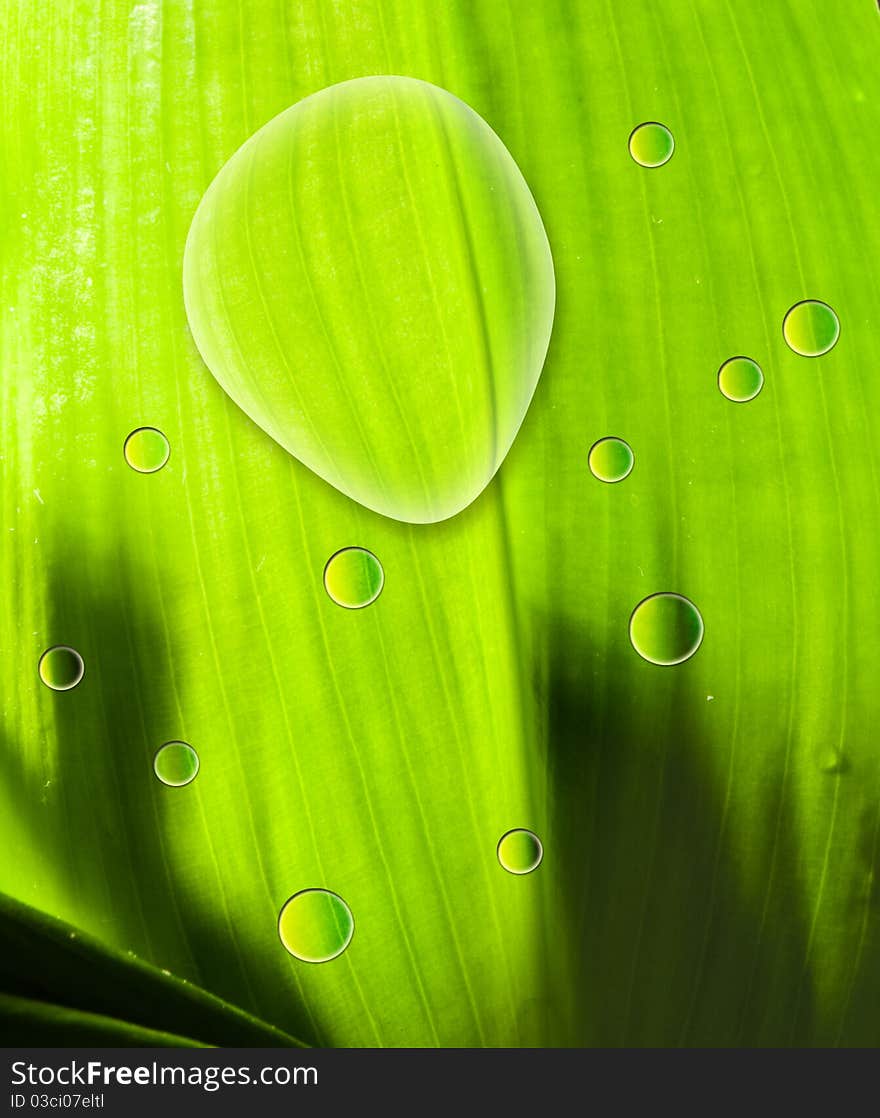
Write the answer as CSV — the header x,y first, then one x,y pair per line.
x,y
611,459
61,667
520,851
740,379
315,925
353,577
146,450
666,629
176,764
651,144
811,328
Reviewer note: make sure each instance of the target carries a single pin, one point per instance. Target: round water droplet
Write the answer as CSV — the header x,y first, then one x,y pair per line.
x,y
740,379
315,925
651,144
811,328
666,629
611,459
353,577
520,851
61,667
146,450
176,764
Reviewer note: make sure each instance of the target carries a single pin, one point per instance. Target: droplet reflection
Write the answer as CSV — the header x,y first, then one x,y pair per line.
x,y
315,925
666,629
61,667
520,851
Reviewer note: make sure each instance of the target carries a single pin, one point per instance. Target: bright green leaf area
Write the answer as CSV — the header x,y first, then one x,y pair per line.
x,y
710,830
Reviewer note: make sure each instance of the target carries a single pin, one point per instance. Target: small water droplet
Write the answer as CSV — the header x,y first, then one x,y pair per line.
x,y
834,762
710,698
651,144
61,667
811,328
740,379
611,459
176,764
520,851
353,577
146,450
666,629
315,925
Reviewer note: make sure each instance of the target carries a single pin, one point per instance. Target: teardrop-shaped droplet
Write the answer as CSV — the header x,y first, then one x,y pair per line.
x,y
368,277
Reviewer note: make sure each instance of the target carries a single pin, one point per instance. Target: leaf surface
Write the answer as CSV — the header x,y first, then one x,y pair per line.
x,y
710,830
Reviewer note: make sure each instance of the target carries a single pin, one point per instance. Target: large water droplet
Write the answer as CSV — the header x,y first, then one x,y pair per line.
x,y
146,450
611,459
353,577
666,629
368,277
316,925
651,144
61,667
520,851
176,763
740,379
811,328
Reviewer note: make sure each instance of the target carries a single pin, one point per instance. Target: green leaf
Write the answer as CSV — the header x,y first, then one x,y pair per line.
x,y
710,829
24,1022
56,978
